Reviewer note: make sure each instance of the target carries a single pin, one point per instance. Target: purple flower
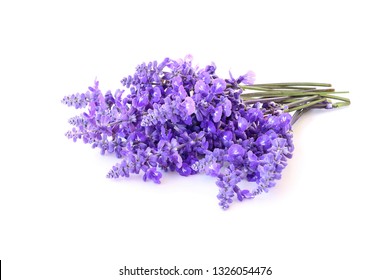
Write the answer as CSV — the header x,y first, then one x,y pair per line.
x,y
153,174
213,169
217,114
227,107
189,104
249,78
242,124
219,86
177,82
201,87
236,150
227,183
182,92
227,136
184,170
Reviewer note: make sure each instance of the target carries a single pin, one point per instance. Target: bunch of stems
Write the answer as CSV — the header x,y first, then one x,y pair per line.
x,y
295,97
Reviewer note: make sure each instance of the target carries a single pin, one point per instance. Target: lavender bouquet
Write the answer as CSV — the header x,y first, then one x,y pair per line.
x,y
172,116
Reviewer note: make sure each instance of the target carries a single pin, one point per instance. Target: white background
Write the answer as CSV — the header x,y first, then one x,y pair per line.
x,y
60,218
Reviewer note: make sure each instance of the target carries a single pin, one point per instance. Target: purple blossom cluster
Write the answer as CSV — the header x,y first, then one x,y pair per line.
x,y
172,116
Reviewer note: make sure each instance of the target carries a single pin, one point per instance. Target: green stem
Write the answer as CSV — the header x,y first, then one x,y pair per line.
x,y
295,84
297,115
289,87
340,104
279,99
301,100
299,97
338,98
253,87
307,105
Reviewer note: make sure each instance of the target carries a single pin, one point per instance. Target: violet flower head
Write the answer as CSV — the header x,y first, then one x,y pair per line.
x,y
249,78
236,150
189,105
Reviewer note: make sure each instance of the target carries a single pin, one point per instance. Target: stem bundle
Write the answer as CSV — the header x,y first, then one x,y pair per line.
x,y
295,97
